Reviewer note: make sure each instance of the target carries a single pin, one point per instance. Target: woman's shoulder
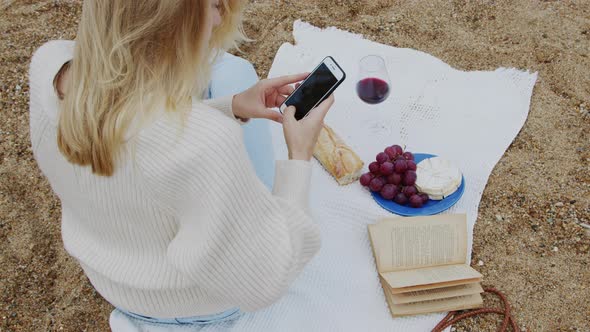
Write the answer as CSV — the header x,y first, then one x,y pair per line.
x,y
46,62
198,131
52,55
173,149
55,46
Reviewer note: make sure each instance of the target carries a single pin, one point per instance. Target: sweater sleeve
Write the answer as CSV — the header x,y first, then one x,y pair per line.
x,y
224,104
240,242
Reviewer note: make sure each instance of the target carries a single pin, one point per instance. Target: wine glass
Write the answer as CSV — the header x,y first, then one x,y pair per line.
x,y
373,83
373,88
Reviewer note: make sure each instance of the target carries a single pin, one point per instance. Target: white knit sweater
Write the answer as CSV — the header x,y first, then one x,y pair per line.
x,y
184,227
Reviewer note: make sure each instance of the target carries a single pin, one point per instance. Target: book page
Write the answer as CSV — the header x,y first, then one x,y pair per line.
x,y
415,242
448,304
430,275
437,293
432,286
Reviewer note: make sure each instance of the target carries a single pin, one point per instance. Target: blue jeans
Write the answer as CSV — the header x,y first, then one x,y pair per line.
x,y
195,320
231,75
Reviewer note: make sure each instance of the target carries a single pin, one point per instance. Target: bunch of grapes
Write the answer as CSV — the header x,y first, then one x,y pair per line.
x,y
393,176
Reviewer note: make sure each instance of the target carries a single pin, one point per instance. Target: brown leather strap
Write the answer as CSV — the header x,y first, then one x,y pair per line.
x,y
454,316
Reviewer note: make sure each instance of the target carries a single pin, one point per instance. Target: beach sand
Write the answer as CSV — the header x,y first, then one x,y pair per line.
x,y
528,240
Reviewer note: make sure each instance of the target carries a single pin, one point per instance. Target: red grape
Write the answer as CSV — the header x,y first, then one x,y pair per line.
x,y
386,168
400,166
416,201
389,191
424,197
409,178
409,191
400,199
376,184
366,179
394,178
393,175
374,168
408,155
382,157
391,152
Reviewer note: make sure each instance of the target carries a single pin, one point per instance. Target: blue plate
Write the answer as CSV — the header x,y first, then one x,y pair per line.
x,y
431,207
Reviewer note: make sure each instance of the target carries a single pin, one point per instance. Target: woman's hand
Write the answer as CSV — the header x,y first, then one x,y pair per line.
x,y
257,100
301,136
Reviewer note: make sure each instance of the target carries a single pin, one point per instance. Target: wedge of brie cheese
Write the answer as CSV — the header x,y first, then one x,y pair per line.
x,y
437,177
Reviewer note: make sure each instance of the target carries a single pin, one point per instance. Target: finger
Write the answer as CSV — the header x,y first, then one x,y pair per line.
x,y
274,116
271,99
284,80
322,109
279,99
297,85
286,90
289,114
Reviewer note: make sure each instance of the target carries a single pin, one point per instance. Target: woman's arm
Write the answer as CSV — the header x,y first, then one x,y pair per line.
x,y
237,240
224,104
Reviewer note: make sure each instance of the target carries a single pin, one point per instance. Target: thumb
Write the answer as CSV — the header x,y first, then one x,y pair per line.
x,y
322,109
289,114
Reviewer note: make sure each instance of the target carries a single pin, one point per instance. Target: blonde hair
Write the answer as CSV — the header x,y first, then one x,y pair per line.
x,y
129,57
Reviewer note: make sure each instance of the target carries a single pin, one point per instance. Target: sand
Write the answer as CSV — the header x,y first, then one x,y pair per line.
x,y
528,241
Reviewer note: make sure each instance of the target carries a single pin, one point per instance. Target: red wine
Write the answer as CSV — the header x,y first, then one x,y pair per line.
x,y
372,90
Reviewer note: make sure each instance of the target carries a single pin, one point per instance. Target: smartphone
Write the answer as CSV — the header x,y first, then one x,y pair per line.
x,y
318,86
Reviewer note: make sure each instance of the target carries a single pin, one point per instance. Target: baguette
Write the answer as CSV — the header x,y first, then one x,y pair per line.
x,y
337,157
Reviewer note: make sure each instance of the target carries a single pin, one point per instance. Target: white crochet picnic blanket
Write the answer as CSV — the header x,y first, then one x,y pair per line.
x,y
468,117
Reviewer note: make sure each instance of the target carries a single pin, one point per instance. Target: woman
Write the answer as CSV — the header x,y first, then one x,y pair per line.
x,y
161,205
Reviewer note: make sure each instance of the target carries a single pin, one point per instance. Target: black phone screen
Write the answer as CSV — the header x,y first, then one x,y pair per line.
x,y
311,91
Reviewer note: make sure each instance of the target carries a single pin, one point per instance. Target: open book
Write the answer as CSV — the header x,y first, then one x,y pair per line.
x,y
421,264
